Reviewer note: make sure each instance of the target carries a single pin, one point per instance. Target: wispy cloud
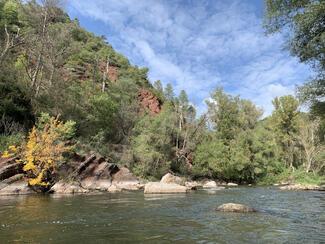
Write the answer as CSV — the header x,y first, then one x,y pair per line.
x,y
198,45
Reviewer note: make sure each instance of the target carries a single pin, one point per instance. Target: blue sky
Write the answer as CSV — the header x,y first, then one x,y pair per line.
x,y
198,45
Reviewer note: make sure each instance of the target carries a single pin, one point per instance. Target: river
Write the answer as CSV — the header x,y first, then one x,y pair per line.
x,y
132,217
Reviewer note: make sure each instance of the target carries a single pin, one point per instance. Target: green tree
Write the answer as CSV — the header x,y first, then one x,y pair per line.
x,y
169,92
152,143
304,19
308,138
158,86
285,117
223,113
228,152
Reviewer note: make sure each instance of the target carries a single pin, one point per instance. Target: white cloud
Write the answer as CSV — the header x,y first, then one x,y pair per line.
x,y
198,45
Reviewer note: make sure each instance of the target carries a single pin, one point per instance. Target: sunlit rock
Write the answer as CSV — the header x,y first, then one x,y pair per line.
x,y
16,188
210,184
170,178
62,187
232,184
300,187
235,207
158,187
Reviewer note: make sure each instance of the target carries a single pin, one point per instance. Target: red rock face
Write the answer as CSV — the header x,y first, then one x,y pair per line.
x,y
149,101
112,71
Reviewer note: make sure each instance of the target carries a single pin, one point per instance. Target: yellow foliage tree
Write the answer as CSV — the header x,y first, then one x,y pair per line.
x,y
12,150
45,148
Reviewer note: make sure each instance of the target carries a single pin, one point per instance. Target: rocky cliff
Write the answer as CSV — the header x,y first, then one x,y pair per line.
x,y
149,101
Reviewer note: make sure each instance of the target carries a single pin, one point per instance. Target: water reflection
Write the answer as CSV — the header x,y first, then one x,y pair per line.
x,y
284,217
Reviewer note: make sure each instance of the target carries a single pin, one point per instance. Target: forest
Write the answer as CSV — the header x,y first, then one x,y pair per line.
x,y
64,90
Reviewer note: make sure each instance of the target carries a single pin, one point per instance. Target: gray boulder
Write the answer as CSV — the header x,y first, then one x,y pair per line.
x,y
235,207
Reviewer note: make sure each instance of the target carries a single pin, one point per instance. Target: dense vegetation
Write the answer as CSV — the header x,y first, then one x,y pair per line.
x,y
53,70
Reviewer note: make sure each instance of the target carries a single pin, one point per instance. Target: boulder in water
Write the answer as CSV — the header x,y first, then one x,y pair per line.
x,y
235,207
210,184
232,184
170,178
158,187
192,185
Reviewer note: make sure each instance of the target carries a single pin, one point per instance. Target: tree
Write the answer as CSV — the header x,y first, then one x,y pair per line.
x,y
305,20
228,152
309,139
46,46
45,148
10,27
285,117
152,143
169,92
223,112
158,86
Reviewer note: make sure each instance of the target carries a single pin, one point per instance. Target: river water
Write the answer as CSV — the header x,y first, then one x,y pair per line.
x,y
132,217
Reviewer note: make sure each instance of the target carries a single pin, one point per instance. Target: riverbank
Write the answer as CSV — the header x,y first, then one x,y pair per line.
x,y
91,174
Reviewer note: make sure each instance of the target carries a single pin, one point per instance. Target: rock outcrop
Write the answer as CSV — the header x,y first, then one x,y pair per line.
x,y
235,207
62,187
158,188
81,175
149,101
10,167
300,187
16,188
96,174
125,180
12,178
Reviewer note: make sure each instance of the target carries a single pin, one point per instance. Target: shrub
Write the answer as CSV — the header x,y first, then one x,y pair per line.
x,y
44,149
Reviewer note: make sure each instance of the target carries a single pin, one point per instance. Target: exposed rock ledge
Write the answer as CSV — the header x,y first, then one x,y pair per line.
x,y
81,175
300,187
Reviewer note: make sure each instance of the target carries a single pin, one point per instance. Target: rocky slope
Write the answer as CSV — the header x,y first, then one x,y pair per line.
x,y
81,175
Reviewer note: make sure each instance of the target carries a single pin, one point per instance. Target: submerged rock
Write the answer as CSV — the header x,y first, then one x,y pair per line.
x,y
158,187
300,187
170,178
235,207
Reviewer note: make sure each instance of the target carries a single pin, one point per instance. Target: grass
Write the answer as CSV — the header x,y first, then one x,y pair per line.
x,y
6,141
299,176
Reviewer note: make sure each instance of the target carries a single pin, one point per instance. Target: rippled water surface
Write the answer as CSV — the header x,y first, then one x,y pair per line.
x,y
284,217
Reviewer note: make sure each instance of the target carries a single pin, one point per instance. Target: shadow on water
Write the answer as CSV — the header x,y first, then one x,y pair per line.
x,y
283,217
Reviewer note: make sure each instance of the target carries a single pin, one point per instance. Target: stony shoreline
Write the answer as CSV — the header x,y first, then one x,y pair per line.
x,y
93,174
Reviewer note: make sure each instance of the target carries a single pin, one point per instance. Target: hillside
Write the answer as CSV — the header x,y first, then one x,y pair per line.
x,y
65,90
